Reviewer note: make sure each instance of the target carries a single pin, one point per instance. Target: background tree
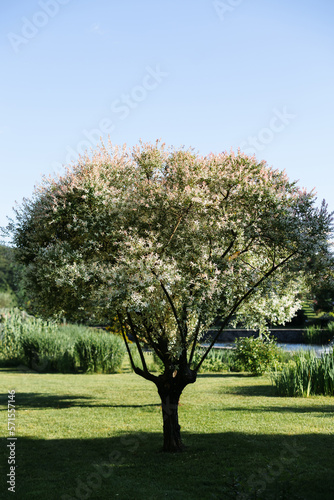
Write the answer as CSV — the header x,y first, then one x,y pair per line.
x,y
167,241
323,293
7,277
11,279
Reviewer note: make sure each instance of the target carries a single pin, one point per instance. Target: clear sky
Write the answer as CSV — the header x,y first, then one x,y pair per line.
x,y
254,74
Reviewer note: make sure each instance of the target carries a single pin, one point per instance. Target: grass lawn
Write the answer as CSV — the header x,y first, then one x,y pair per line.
x,y
99,437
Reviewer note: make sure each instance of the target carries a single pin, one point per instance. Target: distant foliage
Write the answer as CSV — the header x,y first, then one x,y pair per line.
x,y
7,300
306,375
6,269
218,360
11,279
256,355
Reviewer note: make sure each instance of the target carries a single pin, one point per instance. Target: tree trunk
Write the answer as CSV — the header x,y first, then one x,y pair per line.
x,y
170,387
171,427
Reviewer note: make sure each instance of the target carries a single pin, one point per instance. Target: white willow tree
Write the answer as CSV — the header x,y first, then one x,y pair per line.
x,y
167,242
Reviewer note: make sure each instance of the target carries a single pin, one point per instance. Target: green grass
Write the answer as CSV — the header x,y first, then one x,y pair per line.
x,y
243,442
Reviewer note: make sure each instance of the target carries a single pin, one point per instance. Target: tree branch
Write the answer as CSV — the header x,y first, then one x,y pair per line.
x,y
145,374
155,345
242,299
195,340
230,245
174,310
120,319
133,330
177,225
172,306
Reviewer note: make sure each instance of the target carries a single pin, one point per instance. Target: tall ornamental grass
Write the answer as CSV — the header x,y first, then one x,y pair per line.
x,y
100,352
314,334
306,375
49,347
16,325
49,352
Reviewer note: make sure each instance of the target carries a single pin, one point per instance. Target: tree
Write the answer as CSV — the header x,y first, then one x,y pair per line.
x,y
323,292
11,282
6,269
168,242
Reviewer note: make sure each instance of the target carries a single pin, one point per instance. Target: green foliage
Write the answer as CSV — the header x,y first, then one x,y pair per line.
x,y
11,279
256,355
306,375
6,269
330,328
99,352
156,365
7,300
323,292
218,360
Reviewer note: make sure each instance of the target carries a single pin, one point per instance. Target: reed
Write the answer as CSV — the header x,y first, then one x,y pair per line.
x,y
306,375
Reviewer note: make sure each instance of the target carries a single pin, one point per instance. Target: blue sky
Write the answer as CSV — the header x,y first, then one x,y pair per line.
x,y
212,75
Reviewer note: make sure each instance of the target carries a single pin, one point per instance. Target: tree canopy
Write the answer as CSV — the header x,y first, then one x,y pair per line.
x,y
168,241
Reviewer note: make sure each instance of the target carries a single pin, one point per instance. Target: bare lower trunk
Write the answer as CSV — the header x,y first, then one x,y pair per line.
x,y
170,389
171,427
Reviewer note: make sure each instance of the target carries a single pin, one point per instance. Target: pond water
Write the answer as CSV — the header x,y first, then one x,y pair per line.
x,y
319,349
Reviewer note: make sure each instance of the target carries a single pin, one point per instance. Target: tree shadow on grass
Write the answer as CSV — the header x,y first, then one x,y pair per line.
x,y
250,390
214,466
59,401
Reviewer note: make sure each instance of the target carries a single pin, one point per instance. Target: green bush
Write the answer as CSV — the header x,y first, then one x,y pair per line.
x,y
306,375
218,360
256,355
99,352
49,351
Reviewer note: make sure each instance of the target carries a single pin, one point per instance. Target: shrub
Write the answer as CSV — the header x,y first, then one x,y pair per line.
x,y
218,360
99,352
256,355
